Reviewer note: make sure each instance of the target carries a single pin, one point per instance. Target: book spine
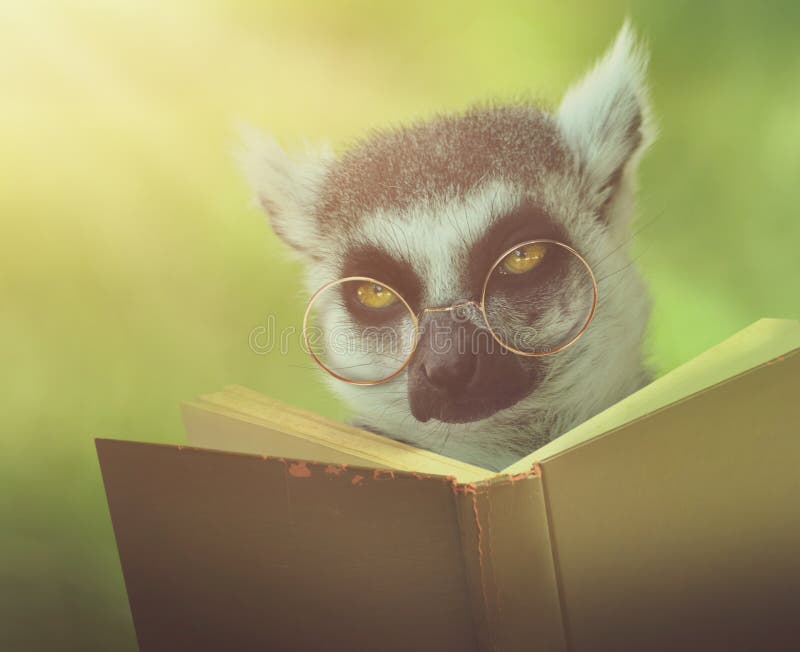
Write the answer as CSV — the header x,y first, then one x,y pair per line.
x,y
509,565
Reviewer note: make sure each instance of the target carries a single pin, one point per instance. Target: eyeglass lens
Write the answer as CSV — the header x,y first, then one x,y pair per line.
x,y
537,299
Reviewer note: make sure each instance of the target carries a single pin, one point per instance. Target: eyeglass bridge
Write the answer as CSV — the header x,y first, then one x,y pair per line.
x,y
455,306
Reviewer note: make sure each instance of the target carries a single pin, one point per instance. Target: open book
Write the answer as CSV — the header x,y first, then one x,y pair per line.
x,y
669,521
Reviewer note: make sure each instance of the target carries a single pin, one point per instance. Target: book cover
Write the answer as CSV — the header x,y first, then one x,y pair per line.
x,y
671,524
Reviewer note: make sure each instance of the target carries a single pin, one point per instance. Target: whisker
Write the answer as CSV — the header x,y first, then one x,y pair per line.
x,y
624,267
633,234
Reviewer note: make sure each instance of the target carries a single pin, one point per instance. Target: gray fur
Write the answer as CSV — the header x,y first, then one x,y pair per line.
x,y
426,193
445,156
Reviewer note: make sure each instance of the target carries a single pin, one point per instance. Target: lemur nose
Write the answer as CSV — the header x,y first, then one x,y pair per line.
x,y
448,360
457,375
449,371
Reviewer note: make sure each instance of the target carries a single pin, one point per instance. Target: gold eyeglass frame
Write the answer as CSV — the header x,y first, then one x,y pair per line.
x,y
481,306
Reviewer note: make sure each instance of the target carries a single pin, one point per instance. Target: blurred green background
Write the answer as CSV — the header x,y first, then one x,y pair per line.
x,y
133,268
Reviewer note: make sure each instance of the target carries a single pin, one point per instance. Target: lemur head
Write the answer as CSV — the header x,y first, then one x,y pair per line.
x,y
427,207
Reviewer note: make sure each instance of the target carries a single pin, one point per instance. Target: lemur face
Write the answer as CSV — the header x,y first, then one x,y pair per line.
x,y
428,208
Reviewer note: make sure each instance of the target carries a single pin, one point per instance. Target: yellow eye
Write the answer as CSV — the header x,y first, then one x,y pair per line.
x,y
373,295
524,258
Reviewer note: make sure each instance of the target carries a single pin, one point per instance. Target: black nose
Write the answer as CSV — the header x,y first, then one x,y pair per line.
x,y
458,373
452,368
446,356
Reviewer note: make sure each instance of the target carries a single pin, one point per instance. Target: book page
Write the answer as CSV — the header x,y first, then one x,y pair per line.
x,y
214,427
684,522
327,435
760,342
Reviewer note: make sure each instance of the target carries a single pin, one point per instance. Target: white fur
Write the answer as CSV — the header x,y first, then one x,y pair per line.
x,y
285,185
596,114
438,235
605,364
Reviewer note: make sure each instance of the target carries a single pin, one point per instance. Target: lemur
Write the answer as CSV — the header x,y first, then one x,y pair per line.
x,y
421,202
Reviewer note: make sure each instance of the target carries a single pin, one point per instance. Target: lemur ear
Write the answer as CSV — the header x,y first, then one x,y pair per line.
x,y
286,186
606,119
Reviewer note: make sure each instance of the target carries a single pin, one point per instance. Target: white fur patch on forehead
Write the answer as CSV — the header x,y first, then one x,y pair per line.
x,y
433,236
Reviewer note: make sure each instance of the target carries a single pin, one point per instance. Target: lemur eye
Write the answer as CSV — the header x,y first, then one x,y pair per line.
x,y
373,295
524,258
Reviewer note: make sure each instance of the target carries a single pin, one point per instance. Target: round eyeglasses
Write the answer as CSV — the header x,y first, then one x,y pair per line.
x,y
537,299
